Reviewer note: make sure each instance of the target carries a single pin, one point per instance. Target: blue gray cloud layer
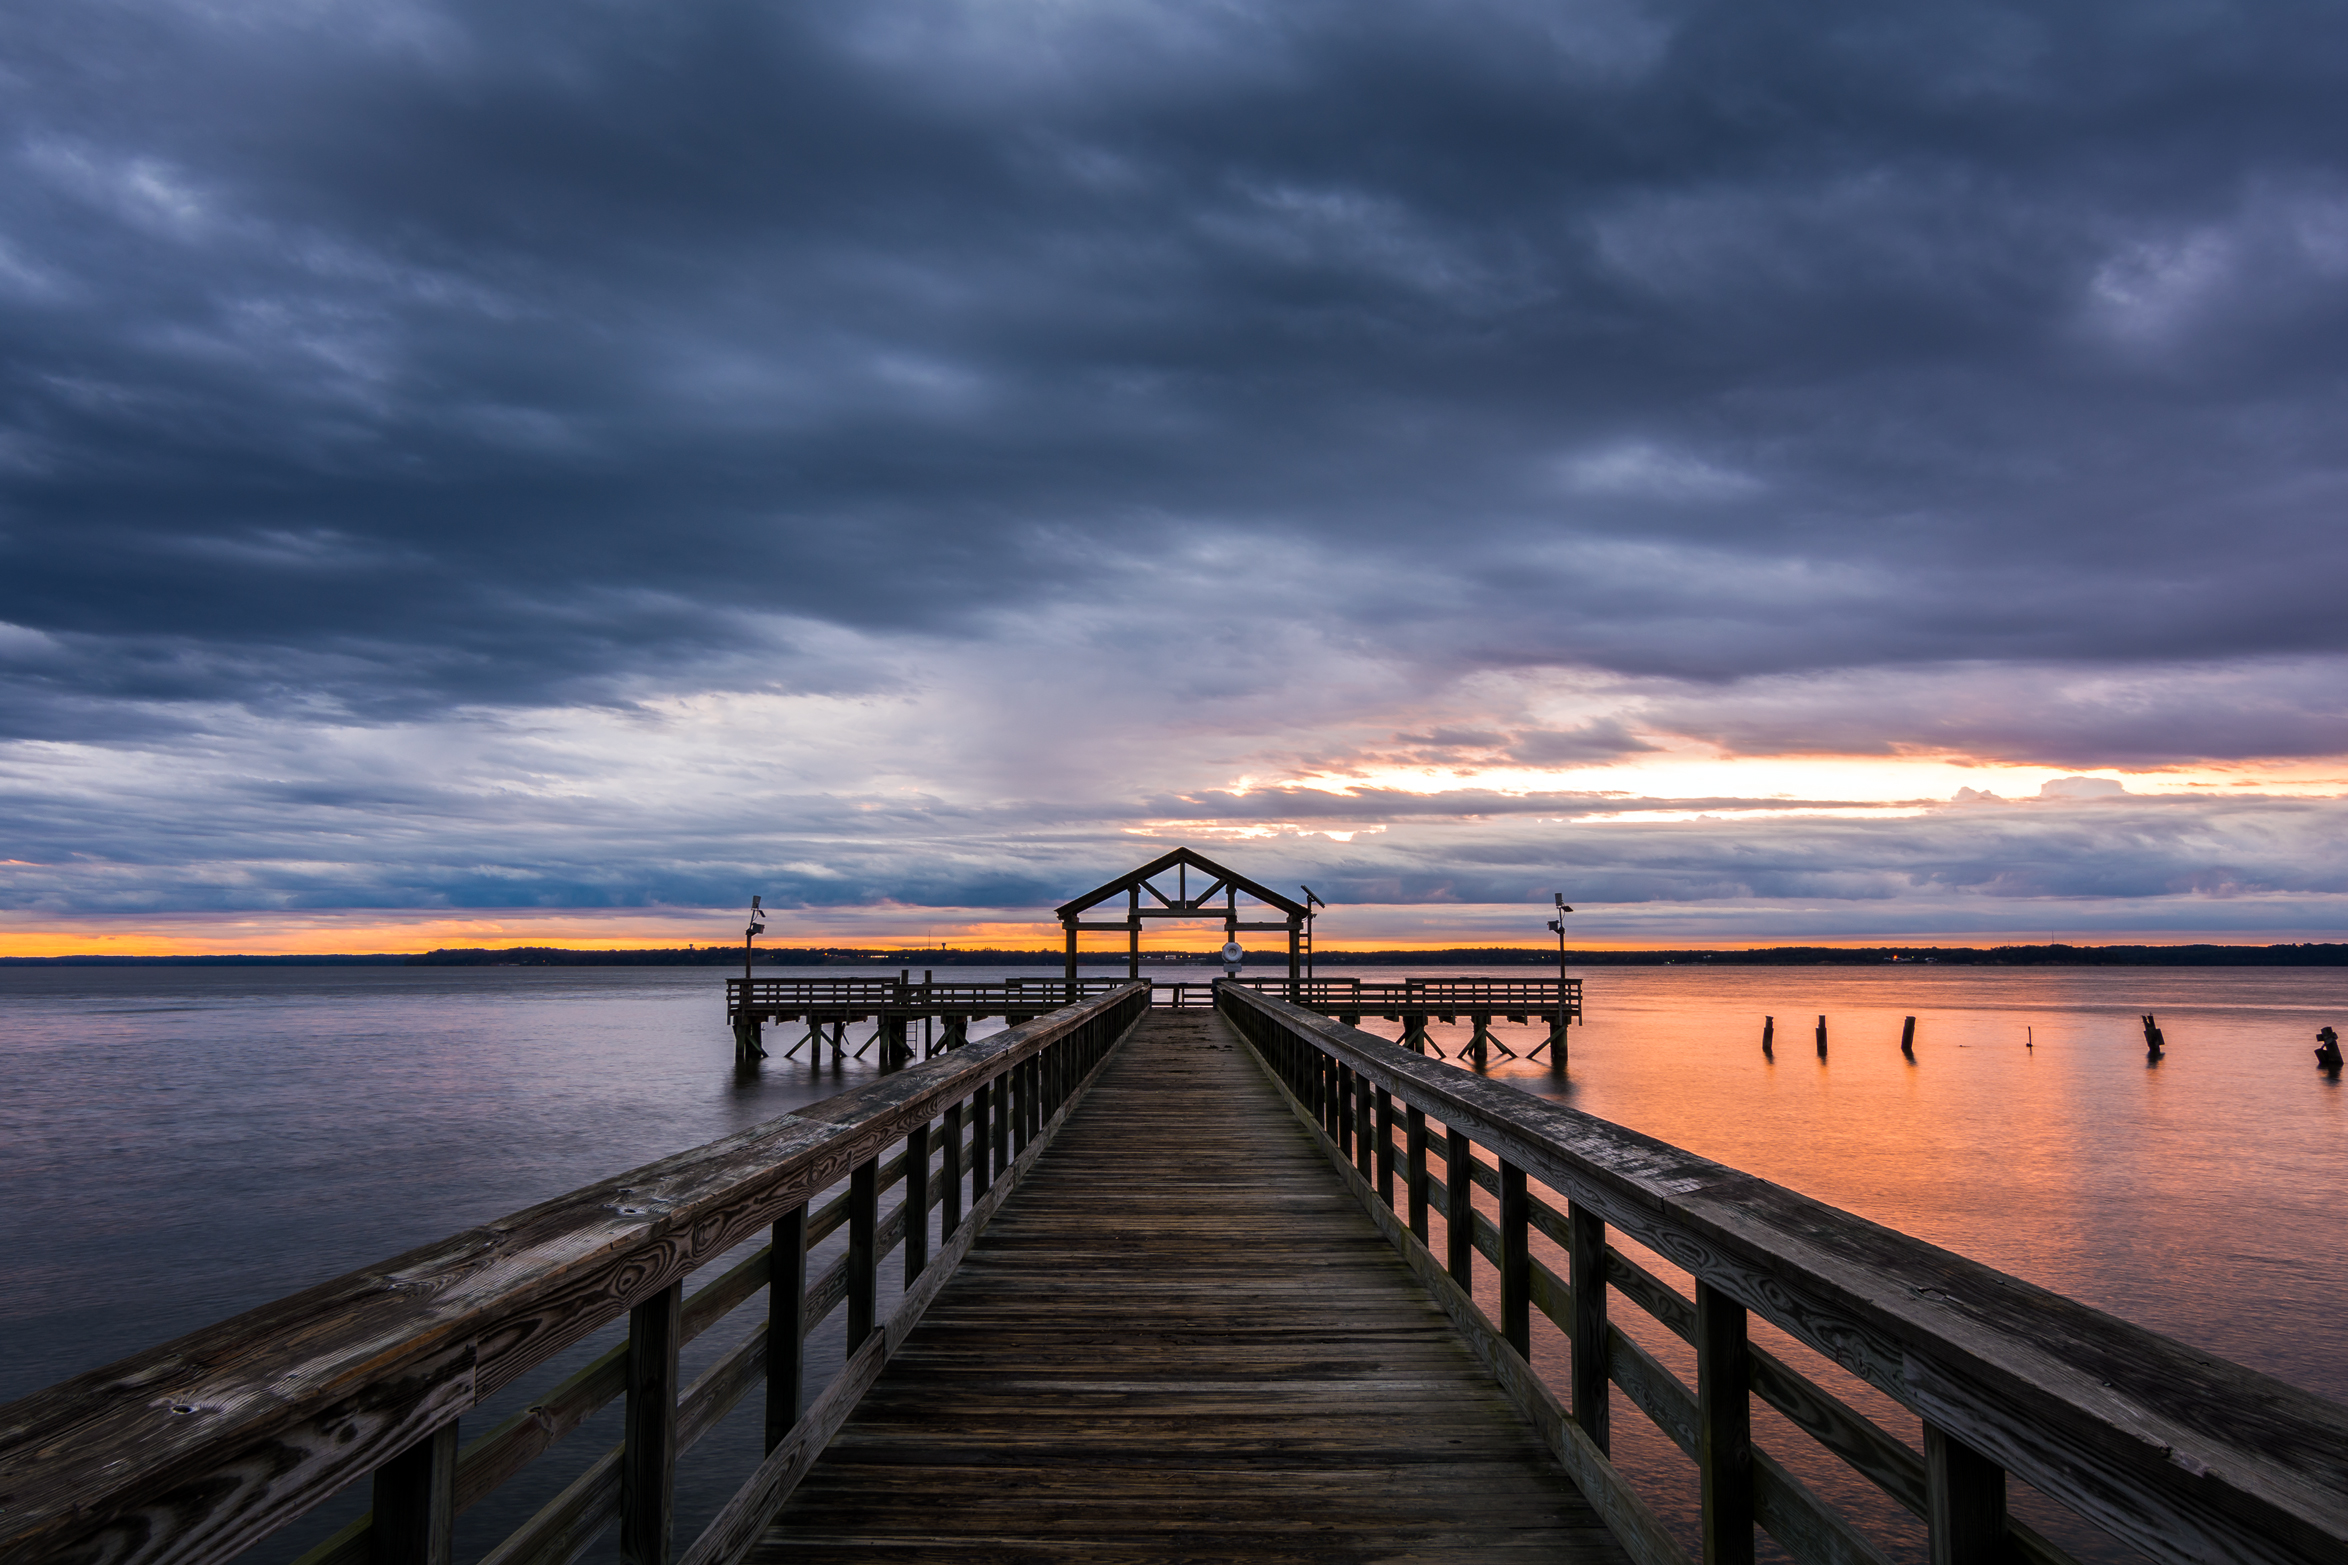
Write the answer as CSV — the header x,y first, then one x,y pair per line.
x,y
1805,377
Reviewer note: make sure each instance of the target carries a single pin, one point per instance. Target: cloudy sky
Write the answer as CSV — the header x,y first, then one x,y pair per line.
x,y
536,470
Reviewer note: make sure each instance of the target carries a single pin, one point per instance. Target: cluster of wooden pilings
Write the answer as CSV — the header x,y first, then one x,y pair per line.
x,y
1414,1002
909,1020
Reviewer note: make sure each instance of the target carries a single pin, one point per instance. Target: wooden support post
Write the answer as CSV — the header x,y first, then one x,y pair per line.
x,y
1768,1036
1000,1092
786,1325
1414,1034
1295,964
1071,926
1516,1261
1478,1039
1908,1038
863,1255
648,1458
1416,1152
1965,1502
416,1503
916,1203
1586,1258
1385,1146
1822,1037
1724,1427
949,1174
979,1136
1365,1154
1341,1107
1459,1211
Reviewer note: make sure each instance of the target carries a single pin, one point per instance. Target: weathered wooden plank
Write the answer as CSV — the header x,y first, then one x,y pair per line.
x,y
1114,1368
2186,1457
194,1450
1629,1519
738,1522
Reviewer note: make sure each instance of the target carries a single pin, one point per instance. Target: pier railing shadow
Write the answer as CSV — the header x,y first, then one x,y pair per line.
x,y
198,1449
2184,1457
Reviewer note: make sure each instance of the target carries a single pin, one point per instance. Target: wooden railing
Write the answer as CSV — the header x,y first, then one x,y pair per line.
x,y
1520,998
196,1450
861,997
2184,1457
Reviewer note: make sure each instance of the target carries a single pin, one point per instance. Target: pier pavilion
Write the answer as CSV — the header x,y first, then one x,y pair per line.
x,y
1142,1281
929,1018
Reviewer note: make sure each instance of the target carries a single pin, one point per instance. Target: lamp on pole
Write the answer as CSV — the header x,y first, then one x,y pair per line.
x,y
757,928
1557,928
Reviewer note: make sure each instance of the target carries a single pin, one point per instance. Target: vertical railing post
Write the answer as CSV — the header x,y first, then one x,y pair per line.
x,y
1415,1135
1386,1147
1586,1257
1344,1109
1724,1427
1516,1260
1022,1105
1365,1158
863,1253
1000,1093
648,1458
978,1144
1459,1211
916,1203
416,1503
950,1172
786,1324
1965,1501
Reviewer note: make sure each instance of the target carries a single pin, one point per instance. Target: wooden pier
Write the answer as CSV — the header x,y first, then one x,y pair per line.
x,y
1139,1323
1128,1378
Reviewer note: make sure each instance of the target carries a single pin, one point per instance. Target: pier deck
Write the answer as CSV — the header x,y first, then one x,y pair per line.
x,y
1181,1338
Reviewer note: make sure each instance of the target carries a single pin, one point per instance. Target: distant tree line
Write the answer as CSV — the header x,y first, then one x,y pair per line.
x,y
2306,955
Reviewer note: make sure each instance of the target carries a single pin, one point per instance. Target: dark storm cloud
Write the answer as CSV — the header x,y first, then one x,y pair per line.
x,y
375,358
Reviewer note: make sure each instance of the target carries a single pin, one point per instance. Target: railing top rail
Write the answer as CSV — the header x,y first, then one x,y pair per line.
x,y
289,1398
2187,1456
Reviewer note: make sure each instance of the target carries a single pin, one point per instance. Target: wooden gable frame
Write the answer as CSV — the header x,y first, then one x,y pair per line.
x,y
1222,881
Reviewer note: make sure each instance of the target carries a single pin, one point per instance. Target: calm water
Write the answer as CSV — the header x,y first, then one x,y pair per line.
x,y
180,1144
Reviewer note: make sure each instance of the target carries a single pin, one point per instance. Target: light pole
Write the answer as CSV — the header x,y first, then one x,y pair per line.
x,y
1557,928
1556,1044
757,928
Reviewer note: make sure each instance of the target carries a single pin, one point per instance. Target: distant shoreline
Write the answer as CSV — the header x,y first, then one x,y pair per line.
x,y
2052,955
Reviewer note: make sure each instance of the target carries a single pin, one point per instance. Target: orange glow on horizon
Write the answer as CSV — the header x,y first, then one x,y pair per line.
x,y
884,930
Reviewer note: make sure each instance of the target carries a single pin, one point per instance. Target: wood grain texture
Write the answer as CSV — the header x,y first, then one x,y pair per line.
x,y
194,1450
1180,1338
2189,1458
